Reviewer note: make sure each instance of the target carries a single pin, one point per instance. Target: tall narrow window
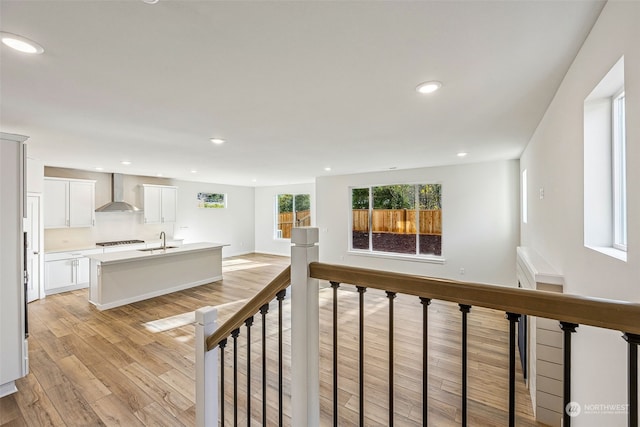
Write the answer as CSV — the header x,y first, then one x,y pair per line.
x,y
605,187
619,173
292,210
525,200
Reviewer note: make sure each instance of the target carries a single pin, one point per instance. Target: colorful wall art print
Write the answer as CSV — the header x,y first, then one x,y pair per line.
x,y
212,200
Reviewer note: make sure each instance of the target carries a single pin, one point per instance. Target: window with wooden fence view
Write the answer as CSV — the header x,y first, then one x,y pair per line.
x,y
402,218
292,210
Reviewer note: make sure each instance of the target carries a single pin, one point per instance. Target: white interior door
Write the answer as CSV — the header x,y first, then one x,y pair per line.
x,y
34,253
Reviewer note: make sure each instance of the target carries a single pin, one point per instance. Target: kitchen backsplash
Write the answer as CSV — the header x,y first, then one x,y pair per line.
x,y
109,226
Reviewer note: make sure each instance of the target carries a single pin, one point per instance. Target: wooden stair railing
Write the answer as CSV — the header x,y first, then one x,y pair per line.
x,y
252,307
603,313
208,340
304,273
570,310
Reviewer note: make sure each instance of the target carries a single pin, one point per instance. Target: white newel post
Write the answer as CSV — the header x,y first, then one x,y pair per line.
x,y
305,382
206,369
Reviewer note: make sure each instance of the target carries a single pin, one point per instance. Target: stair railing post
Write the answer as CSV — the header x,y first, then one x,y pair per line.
x,y
305,335
632,374
206,369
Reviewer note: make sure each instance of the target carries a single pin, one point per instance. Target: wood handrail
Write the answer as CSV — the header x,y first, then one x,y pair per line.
x,y
604,313
265,296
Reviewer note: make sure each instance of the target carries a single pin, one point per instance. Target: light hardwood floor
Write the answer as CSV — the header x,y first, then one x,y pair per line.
x,y
134,365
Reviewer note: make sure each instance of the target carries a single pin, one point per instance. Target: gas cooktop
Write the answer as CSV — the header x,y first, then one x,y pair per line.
x,y
119,242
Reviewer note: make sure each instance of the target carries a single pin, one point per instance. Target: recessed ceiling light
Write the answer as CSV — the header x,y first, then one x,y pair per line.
x,y
328,168
20,43
98,168
462,154
150,1
254,180
428,87
217,141
158,174
194,171
125,162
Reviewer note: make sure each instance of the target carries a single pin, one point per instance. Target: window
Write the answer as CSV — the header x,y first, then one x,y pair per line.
x,y
605,192
525,195
619,174
292,210
397,219
212,200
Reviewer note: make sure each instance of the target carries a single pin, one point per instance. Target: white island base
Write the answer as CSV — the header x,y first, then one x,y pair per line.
x,y
121,278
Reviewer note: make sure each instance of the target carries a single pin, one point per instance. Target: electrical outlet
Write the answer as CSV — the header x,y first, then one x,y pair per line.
x,y
462,271
541,192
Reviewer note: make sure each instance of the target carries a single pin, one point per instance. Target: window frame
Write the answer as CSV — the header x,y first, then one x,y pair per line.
x,y
370,252
618,170
525,197
276,214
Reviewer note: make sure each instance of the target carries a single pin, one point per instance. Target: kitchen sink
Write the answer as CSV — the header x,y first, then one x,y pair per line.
x,y
156,249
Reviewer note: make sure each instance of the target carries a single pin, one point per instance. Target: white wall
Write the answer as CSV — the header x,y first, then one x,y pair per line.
x,y
554,160
233,225
35,175
265,216
480,218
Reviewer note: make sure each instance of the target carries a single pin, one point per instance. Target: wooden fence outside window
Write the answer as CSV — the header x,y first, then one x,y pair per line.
x,y
286,222
402,221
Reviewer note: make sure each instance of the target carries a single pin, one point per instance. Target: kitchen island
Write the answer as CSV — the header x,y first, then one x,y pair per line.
x,y
121,278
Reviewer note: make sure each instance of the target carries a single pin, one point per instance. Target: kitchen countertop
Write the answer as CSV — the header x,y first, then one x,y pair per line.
x,y
71,249
89,247
135,255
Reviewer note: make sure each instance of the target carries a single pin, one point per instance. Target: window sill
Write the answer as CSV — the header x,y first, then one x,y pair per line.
x,y
612,252
432,259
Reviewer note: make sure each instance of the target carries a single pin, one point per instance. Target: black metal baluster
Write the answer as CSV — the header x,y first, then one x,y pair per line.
x,y
263,311
391,296
222,345
248,323
361,291
234,335
632,390
280,296
465,310
513,319
335,286
568,328
425,359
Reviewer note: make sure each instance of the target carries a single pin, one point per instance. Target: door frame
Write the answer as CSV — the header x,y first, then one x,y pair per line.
x,y
40,287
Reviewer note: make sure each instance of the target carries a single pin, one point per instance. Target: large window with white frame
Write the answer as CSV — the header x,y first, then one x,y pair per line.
x,y
397,219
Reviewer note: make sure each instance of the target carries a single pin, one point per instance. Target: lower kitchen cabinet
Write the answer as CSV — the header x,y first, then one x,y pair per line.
x,y
65,272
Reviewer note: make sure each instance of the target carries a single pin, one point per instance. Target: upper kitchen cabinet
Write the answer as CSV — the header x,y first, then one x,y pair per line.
x,y
160,203
69,203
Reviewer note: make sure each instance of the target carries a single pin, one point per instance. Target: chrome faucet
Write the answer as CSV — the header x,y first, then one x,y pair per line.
x,y
164,240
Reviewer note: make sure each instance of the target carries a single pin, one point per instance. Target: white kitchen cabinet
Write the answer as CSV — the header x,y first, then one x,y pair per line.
x,y
69,203
67,271
59,274
160,203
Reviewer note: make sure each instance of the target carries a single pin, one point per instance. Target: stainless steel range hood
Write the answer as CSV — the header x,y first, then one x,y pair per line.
x,y
117,204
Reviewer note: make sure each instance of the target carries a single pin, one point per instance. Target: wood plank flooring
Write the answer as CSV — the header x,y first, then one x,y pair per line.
x,y
134,365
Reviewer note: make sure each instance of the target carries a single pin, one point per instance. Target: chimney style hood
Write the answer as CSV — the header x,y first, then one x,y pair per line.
x,y
117,204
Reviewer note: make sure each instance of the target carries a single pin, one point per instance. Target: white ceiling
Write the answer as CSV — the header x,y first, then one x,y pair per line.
x,y
293,87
